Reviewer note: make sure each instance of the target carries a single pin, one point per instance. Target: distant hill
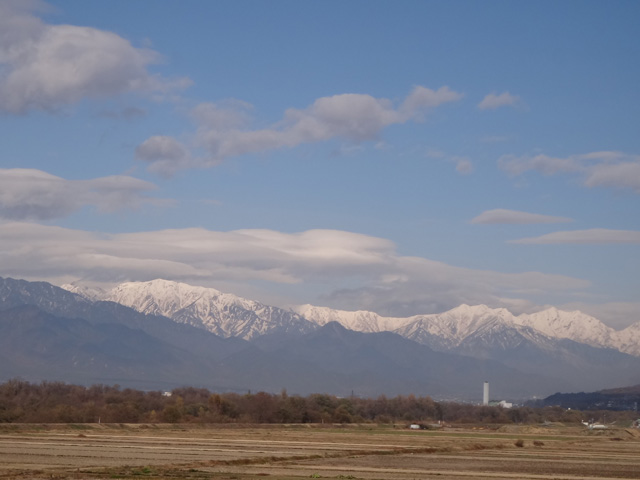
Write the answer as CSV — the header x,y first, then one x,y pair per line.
x,y
634,390
624,398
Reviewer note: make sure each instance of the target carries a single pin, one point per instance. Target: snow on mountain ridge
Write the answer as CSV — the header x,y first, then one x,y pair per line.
x,y
158,297
224,314
573,325
360,320
88,293
460,326
465,319
629,339
467,324
477,323
229,315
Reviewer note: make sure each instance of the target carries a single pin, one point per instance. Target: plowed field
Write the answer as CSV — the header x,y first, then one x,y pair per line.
x,y
296,452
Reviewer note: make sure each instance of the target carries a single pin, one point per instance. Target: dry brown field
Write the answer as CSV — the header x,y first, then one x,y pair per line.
x,y
299,451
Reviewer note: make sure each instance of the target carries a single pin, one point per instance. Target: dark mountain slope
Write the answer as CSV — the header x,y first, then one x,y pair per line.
x,y
60,302
374,363
39,346
578,365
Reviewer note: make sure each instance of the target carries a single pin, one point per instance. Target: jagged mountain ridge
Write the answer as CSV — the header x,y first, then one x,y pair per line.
x,y
464,329
574,325
224,314
466,324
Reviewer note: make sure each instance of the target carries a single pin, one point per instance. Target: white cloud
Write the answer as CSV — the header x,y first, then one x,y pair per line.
x,y
228,115
166,155
223,129
48,66
503,216
423,98
37,195
463,165
594,236
620,175
419,285
596,169
493,101
354,270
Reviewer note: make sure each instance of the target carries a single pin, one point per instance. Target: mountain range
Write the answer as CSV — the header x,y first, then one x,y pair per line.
x,y
228,315
159,334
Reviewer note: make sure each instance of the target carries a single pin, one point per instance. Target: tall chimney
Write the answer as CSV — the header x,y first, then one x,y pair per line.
x,y
485,395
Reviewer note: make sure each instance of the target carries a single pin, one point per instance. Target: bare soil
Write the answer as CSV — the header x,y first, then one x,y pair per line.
x,y
303,451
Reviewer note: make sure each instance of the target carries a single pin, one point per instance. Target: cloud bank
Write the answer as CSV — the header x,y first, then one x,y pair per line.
x,y
223,130
514,217
29,194
47,66
355,271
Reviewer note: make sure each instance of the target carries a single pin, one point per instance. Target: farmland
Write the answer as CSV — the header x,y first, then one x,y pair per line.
x,y
92,451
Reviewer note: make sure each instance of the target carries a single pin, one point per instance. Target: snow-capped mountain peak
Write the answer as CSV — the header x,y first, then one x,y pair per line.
x,y
360,320
466,324
573,325
159,297
224,314
464,320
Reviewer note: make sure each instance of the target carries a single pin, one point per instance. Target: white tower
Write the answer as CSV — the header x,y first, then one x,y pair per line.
x,y
485,395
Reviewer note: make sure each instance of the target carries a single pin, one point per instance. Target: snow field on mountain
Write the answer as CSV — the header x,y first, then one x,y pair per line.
x,y
231,316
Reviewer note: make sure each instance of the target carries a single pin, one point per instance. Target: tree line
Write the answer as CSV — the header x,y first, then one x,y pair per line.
x,y
57,402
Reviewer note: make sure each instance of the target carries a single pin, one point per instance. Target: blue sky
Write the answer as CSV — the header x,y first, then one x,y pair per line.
x,y
396,157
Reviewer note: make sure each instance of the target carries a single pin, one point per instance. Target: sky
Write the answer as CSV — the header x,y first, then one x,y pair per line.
x,y
398,157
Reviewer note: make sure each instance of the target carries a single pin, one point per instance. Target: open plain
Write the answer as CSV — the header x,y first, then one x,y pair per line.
x,y
301,451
